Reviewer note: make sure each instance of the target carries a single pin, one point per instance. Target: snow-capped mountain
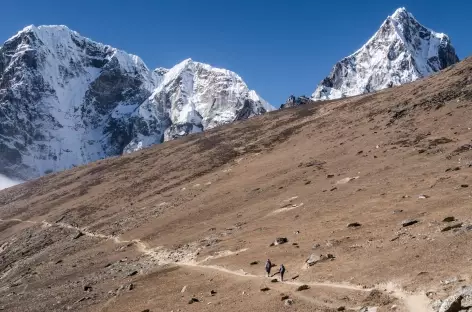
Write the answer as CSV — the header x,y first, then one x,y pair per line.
x,y
401,51
66,100
193,97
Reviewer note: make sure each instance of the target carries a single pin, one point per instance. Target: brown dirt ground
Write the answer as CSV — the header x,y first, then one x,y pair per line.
x,y
221,190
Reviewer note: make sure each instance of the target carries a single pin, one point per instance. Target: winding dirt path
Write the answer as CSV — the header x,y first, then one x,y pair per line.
x,y
413,302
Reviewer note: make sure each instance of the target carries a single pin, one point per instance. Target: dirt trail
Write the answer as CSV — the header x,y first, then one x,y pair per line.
x,y
413,302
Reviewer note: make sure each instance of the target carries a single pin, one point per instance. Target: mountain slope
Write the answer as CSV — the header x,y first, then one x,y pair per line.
x,y
66,100
189,216
400,52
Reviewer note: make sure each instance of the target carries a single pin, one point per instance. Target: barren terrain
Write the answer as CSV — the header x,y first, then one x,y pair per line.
x,y
154,229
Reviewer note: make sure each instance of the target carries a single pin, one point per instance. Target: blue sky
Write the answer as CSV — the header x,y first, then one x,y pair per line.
x,y
278,47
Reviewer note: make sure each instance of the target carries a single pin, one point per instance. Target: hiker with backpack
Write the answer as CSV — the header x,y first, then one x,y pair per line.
x,y
282,272
268,266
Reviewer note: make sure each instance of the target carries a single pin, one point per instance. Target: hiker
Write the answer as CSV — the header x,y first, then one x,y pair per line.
x,y
268,266
282,271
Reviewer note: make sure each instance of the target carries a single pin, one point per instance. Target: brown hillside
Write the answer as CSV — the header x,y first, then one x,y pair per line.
x,y
197,211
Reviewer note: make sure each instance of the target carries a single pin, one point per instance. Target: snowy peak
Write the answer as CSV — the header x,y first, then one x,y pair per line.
x,y
66,100
401,51
193,97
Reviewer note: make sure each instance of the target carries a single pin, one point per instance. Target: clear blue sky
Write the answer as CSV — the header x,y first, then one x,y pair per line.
x,y
278,47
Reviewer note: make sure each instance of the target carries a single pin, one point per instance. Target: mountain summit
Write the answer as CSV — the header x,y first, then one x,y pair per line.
x,y
66,100
401,51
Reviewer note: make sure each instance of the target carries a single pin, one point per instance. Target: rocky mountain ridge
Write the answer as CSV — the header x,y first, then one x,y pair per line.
x,y
66,100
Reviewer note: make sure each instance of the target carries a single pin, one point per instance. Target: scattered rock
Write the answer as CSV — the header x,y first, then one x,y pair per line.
x,y
284,297
312,163
452,226
78,235
303,287
133,273
295,244
295,277
409,222
212,292
451,304
330,176
58,261
184,289
464,185
146,310
360,152
307,182
87,288
193,300
254,263
449,219
274,280
333,189
288,302
346,180
453,169
353,224
265,289
398,211
368,309
341,309
422,196
82,299
315,246
421,151
314,259
130,286
279,241
108,265
450,281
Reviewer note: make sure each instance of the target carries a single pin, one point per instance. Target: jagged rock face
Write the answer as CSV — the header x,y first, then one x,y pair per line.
x,y
66,100
293,101
400,52
194,97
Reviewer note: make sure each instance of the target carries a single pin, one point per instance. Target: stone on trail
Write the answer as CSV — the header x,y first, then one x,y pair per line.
x,y
279,241
303,287
341,309
353,224
284,297
449,219
288,302
368,309
193,300
452,226
184,289
254,263
78,235
423,196
133,273
265,289
274,280
409,222
212,292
